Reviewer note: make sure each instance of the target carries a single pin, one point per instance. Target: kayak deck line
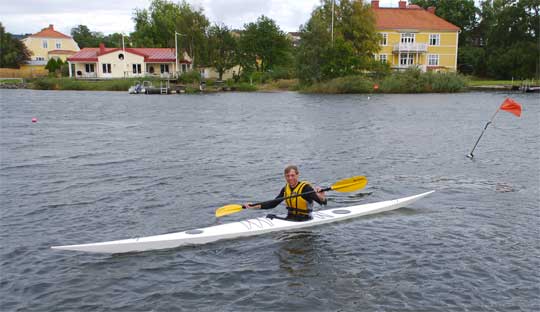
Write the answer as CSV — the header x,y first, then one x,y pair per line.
x,y
239,229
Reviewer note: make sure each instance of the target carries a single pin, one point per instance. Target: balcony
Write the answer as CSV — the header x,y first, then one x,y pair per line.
x,y
410,47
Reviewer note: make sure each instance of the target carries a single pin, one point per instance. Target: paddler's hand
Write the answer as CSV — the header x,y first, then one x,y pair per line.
x,y
250,206
320,193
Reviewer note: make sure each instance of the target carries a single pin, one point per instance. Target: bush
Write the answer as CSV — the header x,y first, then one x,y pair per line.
x,y
190,77
409,81
73,84
349,84
446,82
415,81
246,87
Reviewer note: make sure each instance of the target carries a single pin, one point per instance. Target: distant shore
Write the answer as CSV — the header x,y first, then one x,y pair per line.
x,y
352,84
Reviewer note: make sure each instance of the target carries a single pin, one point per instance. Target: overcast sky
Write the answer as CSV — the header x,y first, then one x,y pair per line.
x,y
109,16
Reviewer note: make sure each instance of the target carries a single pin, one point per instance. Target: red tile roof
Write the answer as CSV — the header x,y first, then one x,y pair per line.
x,y
410,18
49,32
150,54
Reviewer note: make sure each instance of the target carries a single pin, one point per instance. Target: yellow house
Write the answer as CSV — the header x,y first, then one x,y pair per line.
x,y
106,62
414,37
47,44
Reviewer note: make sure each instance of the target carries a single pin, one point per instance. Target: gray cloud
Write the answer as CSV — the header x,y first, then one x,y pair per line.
x,y
30,16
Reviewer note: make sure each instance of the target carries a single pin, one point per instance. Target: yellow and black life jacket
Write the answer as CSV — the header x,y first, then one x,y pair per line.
x,y
297,206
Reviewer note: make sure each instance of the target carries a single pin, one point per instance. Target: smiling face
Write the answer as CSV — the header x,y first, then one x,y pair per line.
x,y
291,176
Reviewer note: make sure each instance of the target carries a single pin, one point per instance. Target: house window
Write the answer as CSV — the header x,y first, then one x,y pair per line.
x,y
45,44
164,68
433,59
40,58
121,57
89,68
106,68
383,58
58,44
407,38
406,59
434,39
184,68
384,39
137,68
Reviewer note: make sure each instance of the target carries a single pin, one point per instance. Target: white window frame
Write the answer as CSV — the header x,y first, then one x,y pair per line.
x,y
58,44
384,40
164,68
408,37
383,58
433,59
45,43
137,69
106,67
436,38
406,59
89,68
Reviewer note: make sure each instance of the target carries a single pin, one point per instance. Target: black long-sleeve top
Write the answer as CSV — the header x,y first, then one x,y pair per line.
x,y
308,197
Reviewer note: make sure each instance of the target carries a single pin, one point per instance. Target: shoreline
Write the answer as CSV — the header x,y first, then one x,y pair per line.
x,y
279,86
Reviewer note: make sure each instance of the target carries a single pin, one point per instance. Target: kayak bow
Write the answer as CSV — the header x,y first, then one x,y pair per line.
x,y
239,229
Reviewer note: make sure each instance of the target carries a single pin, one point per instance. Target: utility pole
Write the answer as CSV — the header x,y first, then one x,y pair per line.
x,y
333,1
176,53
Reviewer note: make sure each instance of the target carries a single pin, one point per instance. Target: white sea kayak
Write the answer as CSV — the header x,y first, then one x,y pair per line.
x,y
239,229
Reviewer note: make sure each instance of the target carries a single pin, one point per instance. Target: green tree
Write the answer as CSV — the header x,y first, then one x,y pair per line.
x,y
222,48
13,52
86,38
461,13
263,45
512,41
157,25
114,40
52,65
349,49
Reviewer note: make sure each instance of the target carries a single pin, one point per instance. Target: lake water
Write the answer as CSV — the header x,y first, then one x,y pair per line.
x,y
100,166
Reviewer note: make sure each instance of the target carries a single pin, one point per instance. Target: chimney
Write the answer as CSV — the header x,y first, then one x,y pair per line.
x,y
431,9
374,4
51,26
101,48
402,4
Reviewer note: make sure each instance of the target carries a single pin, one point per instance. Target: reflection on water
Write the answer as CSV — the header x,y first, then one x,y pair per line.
x,y
299,254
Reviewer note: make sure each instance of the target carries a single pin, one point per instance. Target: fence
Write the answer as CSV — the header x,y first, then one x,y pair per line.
x,y
24,72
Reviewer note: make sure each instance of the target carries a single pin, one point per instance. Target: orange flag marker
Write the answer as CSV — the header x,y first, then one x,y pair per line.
x,y
511,106
508,105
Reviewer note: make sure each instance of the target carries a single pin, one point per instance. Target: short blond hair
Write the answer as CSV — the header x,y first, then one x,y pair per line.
x,y
289,168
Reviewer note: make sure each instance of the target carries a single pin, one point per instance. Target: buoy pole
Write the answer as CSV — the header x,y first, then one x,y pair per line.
x,y
470,155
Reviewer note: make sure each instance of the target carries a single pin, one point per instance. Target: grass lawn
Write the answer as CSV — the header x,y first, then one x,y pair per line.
x,y
11,80
474,83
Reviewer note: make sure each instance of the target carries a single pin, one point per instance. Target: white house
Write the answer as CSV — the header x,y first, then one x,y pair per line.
x,y
105,62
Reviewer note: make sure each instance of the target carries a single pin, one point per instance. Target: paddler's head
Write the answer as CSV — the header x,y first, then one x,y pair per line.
x,y
291,175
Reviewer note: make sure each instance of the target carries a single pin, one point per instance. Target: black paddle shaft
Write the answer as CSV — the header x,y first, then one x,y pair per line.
x,y
292,196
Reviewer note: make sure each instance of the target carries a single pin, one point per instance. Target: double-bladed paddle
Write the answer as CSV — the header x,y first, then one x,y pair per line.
x,y
346,185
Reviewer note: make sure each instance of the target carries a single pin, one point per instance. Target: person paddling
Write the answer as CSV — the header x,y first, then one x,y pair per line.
x,y
298,208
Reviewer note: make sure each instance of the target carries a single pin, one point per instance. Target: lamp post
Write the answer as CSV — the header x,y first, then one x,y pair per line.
x,y
126,71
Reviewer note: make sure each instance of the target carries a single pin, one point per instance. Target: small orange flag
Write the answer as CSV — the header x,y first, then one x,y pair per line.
x,y
511,106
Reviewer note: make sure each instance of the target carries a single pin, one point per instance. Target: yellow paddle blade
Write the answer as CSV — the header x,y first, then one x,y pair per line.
x,y
350,184
227,210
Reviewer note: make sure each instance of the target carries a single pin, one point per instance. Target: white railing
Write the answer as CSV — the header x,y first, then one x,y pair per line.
x,y
410,47
404,67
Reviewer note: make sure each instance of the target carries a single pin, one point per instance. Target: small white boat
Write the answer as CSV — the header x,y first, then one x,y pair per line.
x,y
239,229
139,88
